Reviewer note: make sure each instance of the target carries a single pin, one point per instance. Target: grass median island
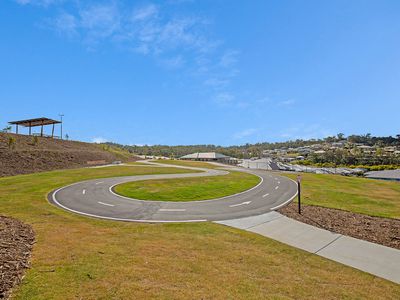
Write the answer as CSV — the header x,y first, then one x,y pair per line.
x,y
76,257
188,189
359,195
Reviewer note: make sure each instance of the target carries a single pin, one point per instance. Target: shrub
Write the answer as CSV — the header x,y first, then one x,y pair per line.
x,y
11,142
35,140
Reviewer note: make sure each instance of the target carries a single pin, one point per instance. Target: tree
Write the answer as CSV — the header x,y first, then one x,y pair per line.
x,y
340,136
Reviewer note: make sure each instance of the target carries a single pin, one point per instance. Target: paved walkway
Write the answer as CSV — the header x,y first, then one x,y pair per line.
x,y
369,257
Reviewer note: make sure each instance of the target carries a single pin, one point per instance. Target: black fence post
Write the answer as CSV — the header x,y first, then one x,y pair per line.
x,y
299,193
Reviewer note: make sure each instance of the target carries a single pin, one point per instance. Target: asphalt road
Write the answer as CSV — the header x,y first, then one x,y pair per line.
x,y
95,198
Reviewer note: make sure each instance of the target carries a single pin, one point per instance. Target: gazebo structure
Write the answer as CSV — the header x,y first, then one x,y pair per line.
x,y
35,123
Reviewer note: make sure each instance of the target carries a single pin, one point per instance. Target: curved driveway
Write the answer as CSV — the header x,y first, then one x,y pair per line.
x,y
95,198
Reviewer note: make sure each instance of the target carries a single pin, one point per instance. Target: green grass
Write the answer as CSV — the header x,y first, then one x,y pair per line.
x,y
136,163
360,195
84,258
187,163
188,189
119,153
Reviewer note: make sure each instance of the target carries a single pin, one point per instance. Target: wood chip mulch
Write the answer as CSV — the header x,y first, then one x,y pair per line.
x,y
16,242
378,230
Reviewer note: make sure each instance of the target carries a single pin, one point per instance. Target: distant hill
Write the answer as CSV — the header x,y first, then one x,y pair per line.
x,y
22,154
256,150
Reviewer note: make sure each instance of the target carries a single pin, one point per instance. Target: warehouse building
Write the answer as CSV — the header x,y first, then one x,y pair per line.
x,y
208,156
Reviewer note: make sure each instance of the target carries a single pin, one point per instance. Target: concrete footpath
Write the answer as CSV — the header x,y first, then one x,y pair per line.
x,y
375,259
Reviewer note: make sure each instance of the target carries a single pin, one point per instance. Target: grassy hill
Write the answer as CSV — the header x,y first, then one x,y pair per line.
x,y
22,154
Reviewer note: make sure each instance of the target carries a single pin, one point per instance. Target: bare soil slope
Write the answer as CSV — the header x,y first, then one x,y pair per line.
x,y
16,242
26,154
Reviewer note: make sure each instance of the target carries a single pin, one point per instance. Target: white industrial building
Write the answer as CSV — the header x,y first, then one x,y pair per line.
x,y
208,156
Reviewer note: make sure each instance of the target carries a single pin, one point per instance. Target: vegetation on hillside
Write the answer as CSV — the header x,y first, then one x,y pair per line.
x,y
119,152
256,150
338,165
22,154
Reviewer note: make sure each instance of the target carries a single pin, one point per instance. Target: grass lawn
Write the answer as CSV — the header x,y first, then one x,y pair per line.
x,y
188,189
136,163
360,195
187,163
84,258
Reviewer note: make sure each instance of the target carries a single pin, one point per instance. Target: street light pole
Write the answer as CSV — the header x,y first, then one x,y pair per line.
x,y
61,116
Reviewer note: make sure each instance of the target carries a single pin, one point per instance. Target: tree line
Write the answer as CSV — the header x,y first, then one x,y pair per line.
x,y
256,150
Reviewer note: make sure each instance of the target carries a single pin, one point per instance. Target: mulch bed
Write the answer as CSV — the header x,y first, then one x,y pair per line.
x,y
378,230
16,242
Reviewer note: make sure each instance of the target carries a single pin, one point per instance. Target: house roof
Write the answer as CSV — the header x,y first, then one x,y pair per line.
x,y
205,155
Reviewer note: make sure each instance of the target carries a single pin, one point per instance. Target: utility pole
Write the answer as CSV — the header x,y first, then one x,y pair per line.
x,y
61,116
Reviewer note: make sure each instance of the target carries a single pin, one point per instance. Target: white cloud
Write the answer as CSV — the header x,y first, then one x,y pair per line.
x,y
38,2
224,99
23,2
173,62
305,132
172,40
229,58
99,140
287,103
148,30
243,104
92,23
244,133
66,23
145,12
100,21
216,82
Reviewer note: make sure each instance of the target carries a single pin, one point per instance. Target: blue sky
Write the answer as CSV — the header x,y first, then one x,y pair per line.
x,y
202,72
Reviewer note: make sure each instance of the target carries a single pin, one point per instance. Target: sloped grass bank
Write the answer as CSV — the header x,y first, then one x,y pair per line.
x,y
359,195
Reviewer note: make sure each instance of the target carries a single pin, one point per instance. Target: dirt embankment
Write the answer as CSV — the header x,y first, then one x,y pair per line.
x,y
378,230
16,243
22,154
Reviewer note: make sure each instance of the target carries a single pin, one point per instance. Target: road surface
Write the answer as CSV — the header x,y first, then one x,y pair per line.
x,y
95,198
